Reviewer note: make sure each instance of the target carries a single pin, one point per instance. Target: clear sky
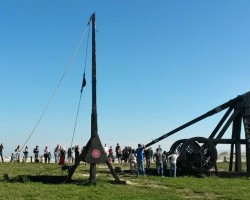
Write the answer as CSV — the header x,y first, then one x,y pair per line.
x,y
160,64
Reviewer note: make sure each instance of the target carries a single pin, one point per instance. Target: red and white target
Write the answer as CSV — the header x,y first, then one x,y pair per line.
x,y
96,153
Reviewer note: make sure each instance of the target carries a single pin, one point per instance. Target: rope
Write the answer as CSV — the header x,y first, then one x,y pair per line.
x,y
76,121
54,93
83,84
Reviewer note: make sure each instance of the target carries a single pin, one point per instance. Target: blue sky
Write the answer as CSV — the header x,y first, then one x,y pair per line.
x,y
160,64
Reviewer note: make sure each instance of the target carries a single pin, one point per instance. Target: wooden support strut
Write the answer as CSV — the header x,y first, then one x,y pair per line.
x,y
208,114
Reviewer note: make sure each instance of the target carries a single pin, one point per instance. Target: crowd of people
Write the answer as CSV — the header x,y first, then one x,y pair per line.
x,y
142,158
60,154
139,159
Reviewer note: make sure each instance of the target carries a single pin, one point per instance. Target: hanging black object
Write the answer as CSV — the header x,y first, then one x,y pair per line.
x,y
83,82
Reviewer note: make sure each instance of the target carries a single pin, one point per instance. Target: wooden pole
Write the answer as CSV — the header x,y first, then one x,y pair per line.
x,y
94,129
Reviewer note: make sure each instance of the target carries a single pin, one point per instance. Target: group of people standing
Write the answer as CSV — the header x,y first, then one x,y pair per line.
x,y
59,154
136,158
161,159
142,156
16,157
120,154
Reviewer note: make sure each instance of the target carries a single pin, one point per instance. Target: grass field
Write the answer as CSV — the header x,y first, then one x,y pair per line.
x,y
150,187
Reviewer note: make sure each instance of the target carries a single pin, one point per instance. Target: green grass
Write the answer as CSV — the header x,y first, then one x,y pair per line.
x,y
150,187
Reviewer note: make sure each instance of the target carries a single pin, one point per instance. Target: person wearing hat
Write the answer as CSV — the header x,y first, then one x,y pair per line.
x,y
140,160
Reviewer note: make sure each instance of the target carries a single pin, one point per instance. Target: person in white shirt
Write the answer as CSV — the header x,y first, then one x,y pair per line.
x,y
25,153
18,150
57,153
173,160
132,160
106,149
46,154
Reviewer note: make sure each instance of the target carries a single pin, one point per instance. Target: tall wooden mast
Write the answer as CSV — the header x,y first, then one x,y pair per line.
x,y
93,152
94,127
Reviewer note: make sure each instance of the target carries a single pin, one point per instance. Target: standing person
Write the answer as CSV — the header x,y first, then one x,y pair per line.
x,y
111,156
25,154
1,151
159,148
140,160
125,154
151,154
62,156
165,162
173,159
18,150
106,149
56,153
77,152
69,155
132,160
73,154
158,158
12,157
118,152
147,157
46,154
36,153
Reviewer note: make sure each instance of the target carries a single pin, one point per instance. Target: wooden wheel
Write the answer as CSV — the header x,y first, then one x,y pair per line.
x,y
176,147
198,158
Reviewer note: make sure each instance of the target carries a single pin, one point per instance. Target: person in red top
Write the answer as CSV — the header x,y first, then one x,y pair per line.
x,y
62,156
111,156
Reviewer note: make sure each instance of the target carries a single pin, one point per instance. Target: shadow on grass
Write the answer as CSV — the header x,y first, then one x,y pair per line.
x,y
63,179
